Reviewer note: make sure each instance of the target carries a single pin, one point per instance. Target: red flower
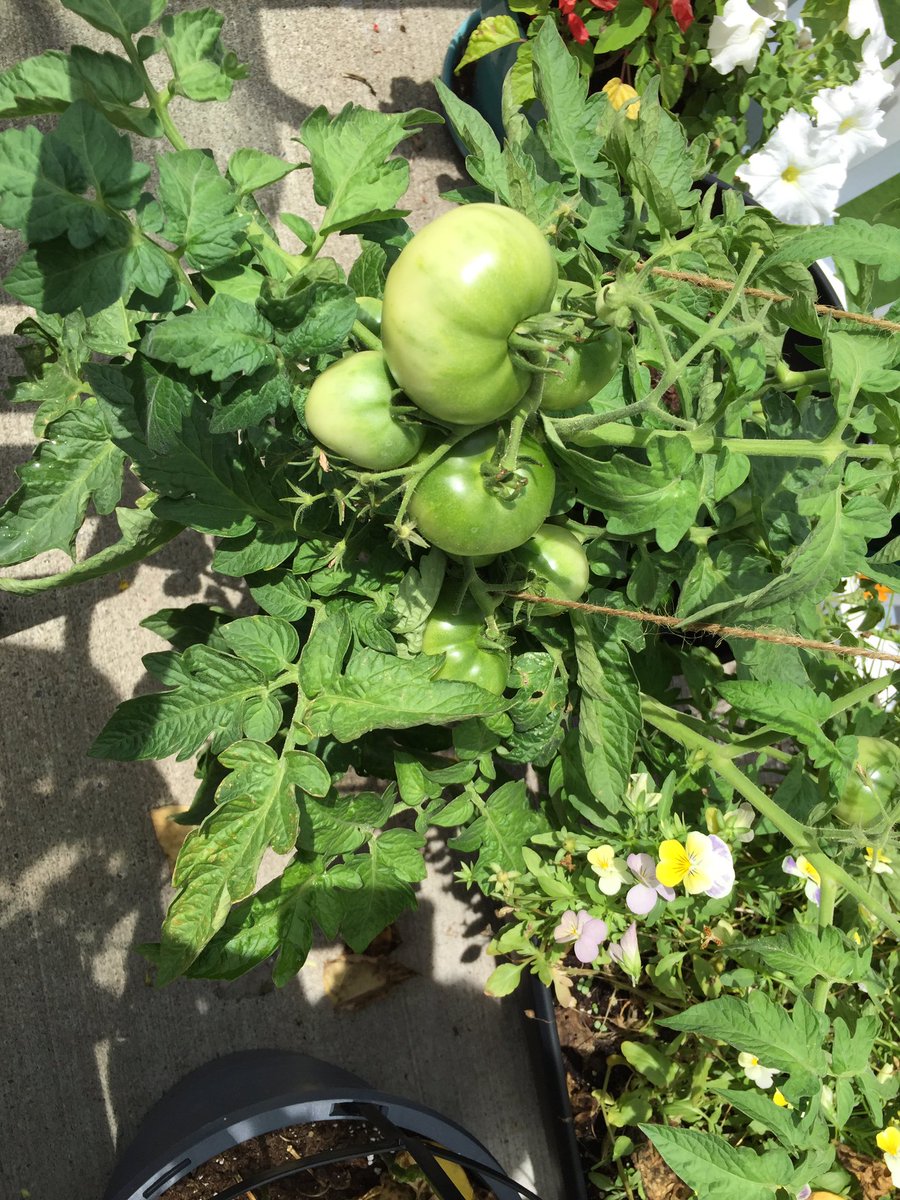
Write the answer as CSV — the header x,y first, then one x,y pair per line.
x,y
566,7
605,5
683,13
577,28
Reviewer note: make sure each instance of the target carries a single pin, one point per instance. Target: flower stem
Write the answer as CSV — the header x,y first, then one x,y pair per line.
x,y
828,889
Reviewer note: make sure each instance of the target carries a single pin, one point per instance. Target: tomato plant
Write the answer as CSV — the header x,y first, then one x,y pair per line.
x,y
581,371
458,634
873,784
452,300
350,410
556,558
468,505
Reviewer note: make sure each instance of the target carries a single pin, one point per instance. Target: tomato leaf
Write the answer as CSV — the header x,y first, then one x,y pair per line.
x,y
199,205
202,69
715,1169
77,464
354,180
380,691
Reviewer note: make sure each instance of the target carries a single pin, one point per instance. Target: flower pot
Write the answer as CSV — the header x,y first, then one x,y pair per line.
x,y
245,1095
484,80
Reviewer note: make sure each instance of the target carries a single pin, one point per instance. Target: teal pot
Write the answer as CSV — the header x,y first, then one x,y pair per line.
x,y
481,84
245,1095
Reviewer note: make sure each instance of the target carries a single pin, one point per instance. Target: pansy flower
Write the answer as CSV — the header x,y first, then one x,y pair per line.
x,y
762,1076
703,864
878,861
803,869
643,896
781,1099
626,954
585,931
611,872
888,1142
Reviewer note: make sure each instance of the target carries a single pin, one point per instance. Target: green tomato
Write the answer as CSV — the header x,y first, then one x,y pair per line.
x,y
584,371
557,558
458,510
349,410
453,297
873,785
455,635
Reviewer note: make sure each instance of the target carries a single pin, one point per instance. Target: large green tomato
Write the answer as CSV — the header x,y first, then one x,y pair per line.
x,y
584,371
463,511
349,411
558,560
453,297
873,785
455,635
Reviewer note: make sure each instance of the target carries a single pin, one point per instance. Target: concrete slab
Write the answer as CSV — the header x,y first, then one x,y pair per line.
x,y
87,1043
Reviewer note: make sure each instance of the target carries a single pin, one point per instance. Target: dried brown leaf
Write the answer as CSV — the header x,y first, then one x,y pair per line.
x,y
355,980
169,834
873,1176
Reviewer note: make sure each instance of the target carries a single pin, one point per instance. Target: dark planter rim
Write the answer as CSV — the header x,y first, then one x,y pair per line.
x,y
201,1116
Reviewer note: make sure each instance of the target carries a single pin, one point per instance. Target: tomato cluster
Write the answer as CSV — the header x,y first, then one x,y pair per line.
x,y
441,398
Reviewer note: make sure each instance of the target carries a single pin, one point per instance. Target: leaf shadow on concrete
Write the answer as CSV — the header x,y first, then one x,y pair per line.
x,y
89,1043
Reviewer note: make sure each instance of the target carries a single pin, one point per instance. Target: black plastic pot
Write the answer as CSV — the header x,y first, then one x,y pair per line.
x,y
245,1095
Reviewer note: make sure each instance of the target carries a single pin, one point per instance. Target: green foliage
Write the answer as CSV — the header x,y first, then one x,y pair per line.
x,y
739,465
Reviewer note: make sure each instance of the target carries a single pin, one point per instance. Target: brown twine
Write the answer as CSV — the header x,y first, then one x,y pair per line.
x,y
722,631
724,285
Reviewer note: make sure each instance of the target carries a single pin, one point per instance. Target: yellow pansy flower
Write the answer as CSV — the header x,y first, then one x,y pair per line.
x,y
703,864
878,862
781,1100
619,94
611,872
888,1141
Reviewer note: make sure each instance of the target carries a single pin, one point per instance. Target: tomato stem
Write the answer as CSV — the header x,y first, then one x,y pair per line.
x,y
528,406
366,336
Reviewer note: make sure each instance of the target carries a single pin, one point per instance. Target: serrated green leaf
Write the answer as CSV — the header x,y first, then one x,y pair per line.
x,y
57,277
269,643
118,17
77,464
790,708
381,691
803,954
324,314
758,1106
143,534
368,273
228,338
382,897
207,481
280,593
178,722
506,823
105,157
610,711
715,1169
43,186
199,204
851,1051
875,245
483,162
259,550
251,170
572,118
340,824
354,179
202,68
490,34
789,1041
401,851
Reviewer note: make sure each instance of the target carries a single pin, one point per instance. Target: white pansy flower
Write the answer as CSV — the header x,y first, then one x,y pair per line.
x,y
762,1076
798,174
851,115
736,38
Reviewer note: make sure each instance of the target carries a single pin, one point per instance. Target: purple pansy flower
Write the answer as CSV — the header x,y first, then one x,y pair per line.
x,y
585,931
642,897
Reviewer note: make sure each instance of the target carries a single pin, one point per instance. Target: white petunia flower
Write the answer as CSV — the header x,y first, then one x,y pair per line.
x,y
798,174
736,38
851,115
864,20
776,9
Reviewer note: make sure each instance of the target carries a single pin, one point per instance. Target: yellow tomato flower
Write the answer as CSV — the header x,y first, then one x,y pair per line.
x,y
619,94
